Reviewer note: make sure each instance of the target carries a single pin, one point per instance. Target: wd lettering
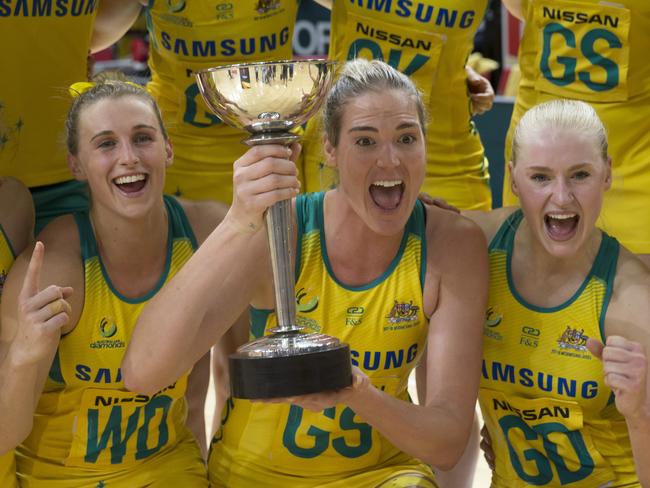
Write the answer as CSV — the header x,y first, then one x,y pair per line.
x,y
112,437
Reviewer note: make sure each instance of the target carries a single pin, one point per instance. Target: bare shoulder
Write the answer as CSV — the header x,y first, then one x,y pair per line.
x,y
18,223
452,237
491,221
62,266
204,216
628,313
62,252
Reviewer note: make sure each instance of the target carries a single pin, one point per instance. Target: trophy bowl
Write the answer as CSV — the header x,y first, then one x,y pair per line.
x,y
268,99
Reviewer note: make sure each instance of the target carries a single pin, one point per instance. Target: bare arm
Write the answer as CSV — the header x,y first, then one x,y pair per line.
x,y
625,355
515,7
437,430
235,336
18,223
197,389
114,18
489,222
193,310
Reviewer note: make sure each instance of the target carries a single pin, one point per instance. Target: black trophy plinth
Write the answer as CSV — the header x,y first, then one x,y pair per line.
x,y
258,377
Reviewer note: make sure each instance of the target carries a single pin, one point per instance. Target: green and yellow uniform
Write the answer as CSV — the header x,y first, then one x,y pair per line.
x,y
45,47
596,51
88,430
551,418
7,257
429,41
384,324
186,37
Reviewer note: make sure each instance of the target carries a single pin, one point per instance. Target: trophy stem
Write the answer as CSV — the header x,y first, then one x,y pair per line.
x,y
279,229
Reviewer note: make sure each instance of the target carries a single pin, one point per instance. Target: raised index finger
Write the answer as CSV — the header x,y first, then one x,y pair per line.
x,y
32,277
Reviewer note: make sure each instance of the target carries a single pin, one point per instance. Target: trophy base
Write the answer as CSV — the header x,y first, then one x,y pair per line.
x,y
284,376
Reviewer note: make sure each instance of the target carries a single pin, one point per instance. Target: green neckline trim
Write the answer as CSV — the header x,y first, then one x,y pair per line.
x,y
328,266
509,247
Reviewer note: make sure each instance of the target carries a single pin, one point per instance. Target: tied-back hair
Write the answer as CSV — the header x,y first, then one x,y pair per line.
x,y
562,116
106,86
359,77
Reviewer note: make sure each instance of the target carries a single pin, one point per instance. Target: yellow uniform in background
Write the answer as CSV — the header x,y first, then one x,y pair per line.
x,y
88,430
384,324
551,418
596,52
186,37
429,41
45,47
7,462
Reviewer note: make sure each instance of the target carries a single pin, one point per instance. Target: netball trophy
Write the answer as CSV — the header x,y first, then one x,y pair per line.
x,y
268,99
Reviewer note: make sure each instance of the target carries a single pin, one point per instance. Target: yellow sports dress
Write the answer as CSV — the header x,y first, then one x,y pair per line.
x,y
266,445
7,462
429,41
46,44
186,37
597,52
88,430
551,418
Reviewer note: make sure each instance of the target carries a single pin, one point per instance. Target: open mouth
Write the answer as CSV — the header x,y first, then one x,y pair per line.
x,y
561,226
131,183
387,194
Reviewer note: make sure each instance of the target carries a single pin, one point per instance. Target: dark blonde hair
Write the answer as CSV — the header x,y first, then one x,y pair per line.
x,y
359,77
561,115
104,89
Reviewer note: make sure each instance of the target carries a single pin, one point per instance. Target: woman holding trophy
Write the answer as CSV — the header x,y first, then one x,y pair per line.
x,y
375,268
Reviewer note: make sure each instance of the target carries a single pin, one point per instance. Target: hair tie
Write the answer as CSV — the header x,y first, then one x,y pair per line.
x,y
80,87
76,89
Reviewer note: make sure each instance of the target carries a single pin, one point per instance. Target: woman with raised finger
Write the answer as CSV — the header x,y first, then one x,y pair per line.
x,y
80,426
366,250
16,232
556,414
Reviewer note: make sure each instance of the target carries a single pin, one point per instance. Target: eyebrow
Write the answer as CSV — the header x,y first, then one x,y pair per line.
x,y
107,132
360,128
571,168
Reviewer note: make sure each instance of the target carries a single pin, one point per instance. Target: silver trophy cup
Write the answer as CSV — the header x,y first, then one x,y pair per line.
x,y
268,99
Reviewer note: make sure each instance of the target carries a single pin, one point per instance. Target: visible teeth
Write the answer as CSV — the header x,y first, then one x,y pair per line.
x,y
129,179
388,183
561,216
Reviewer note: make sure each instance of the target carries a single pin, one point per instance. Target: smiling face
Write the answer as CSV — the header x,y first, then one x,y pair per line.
x,y
380,158
560,178
122,154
